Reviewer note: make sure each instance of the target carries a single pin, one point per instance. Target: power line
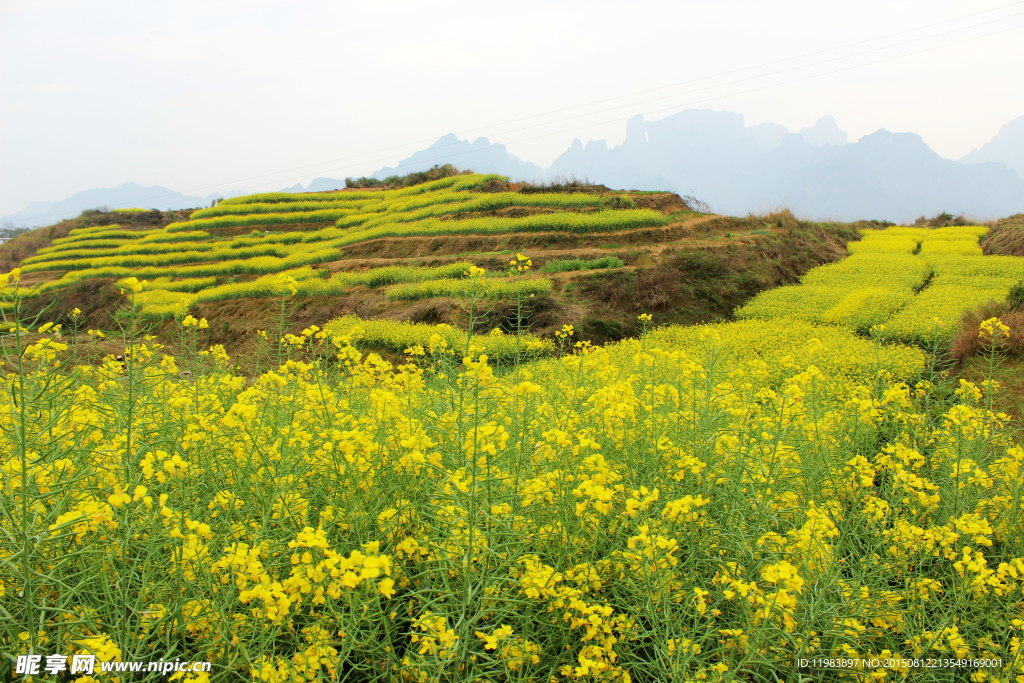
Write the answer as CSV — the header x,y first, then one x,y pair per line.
x,y
634,104
641,92
718,97
750,78
779,61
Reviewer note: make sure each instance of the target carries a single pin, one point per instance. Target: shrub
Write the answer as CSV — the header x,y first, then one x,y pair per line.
x,y
407,180
1015,297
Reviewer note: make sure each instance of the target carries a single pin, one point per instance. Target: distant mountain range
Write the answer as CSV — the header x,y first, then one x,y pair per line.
x,y
129,195
1006,147
713,156
737,169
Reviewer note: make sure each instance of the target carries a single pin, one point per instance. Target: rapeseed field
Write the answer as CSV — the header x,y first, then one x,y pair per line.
x,y
294,232
755,501
910,284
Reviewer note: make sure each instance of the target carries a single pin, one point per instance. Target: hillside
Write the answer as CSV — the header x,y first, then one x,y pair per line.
x,y
598,257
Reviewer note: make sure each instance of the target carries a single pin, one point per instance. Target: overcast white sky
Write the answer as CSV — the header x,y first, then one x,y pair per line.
x,y
203,95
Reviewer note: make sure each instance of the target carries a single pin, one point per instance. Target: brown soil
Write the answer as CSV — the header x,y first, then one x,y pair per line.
x,y
97,299
444,245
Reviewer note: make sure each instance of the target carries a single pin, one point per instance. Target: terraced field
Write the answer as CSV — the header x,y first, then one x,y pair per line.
x,y
401,254
198,259
910,284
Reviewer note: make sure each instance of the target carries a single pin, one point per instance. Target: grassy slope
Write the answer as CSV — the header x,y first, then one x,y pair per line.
x,y
694,268
97,299
1006,237
697,268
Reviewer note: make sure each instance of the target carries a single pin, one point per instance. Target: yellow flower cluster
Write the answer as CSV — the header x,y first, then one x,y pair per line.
x,y
859,292
435,340
520,264
712,503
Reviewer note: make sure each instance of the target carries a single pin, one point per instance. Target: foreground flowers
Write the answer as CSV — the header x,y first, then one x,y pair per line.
x,y
668,509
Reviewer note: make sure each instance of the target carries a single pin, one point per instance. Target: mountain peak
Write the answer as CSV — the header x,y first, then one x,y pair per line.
x,y
1007,147
825,131
480,155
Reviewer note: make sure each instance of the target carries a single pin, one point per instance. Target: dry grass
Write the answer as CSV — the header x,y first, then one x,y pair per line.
x,y
968,342
1006,237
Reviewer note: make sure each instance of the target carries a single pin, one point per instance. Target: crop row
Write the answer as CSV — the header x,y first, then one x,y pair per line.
x,y
579,223
948,232
191,253
161,297
561,266
976,266
390,275
487,288
463,182
963,247
289,218
959,284
398,336
105,232
160,302
76,259
370,213
368,218
152,246
949,240
371,202
299,203
252,266
194,284
860,292
936,311
865,270
787,343
83,246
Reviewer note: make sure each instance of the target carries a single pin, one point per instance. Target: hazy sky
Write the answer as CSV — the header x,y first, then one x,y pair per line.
x,y
201,96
